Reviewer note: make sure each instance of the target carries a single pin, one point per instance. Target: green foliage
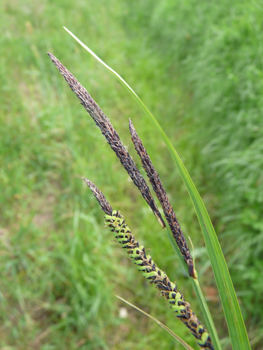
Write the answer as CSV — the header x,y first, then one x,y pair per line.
x,y
59,269
222,60
198,68
216,50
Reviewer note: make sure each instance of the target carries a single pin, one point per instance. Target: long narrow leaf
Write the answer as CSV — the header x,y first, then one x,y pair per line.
x,y
235,322
180,340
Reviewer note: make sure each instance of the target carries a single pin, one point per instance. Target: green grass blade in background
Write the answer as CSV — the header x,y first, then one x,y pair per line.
x,y
235,322
180,340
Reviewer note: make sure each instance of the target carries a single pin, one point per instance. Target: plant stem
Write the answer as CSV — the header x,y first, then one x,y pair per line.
x,y
200,297
206,313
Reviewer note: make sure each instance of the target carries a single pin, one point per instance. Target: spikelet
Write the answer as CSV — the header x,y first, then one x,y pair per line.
x,y
110,134
104,204
150,270
154,275
164,200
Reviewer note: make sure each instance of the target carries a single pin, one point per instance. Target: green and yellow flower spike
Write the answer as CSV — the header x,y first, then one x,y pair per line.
x,y
151,272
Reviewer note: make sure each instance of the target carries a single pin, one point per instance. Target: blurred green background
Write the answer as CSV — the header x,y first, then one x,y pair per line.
x,y
198,66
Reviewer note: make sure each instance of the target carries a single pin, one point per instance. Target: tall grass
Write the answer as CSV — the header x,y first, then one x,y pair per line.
x,y
51,240
56,288
216,50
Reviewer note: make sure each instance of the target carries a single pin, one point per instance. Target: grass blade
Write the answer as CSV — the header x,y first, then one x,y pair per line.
x,y
181,341
235,322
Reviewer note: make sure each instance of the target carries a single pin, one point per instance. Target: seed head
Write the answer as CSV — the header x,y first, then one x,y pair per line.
x,y
110,134
164,200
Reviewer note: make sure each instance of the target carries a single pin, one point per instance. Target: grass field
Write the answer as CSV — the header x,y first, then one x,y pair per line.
x,y
60,267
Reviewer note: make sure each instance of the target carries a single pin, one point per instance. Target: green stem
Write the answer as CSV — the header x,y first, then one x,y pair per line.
x,y
200,297
206,313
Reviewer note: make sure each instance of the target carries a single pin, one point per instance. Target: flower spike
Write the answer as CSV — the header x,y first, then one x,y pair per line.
x,y
110,134
164,200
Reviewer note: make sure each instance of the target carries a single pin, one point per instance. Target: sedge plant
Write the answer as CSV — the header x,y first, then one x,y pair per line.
x,y
206,335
